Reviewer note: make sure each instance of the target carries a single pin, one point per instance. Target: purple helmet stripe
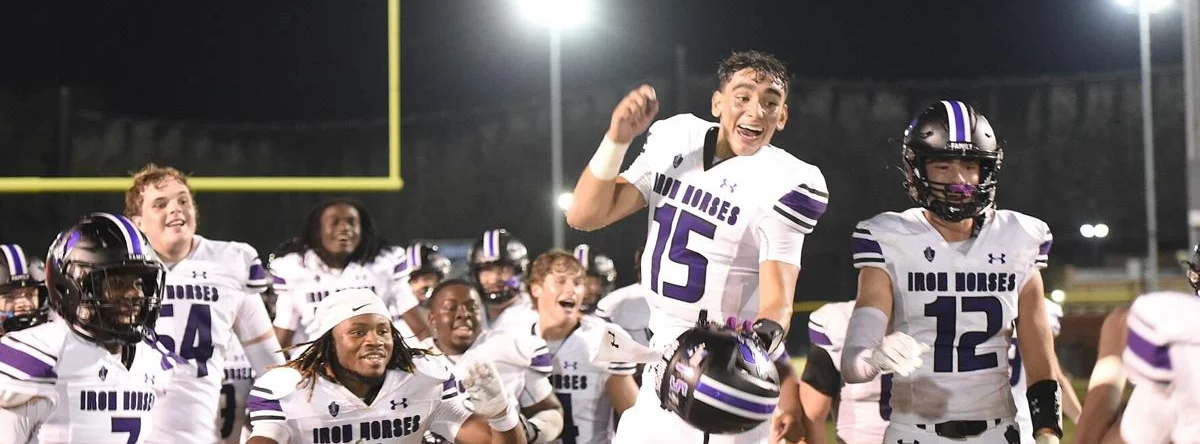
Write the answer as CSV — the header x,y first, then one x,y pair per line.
x,y
581,254
733,397
16,259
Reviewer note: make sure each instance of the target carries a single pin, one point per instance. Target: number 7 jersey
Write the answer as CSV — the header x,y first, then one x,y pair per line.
x,y
960,298
710,226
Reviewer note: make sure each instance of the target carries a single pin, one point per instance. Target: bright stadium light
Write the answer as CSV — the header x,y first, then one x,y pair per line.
x,y
1101,231
1087,230
564,200
556,13
1058,296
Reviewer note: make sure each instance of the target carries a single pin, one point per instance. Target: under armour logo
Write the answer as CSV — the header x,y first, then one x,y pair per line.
x,y
199,275
403,403
731,186
571,365
147,378
613,340
993,258
676,161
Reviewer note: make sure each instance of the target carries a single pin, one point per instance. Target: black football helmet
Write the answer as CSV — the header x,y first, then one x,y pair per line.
x,y
499,248
22,274
719,380
951,129
86,261
425,258
1191,268
597,265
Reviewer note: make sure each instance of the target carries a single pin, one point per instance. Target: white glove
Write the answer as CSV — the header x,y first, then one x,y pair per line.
x,y
899,353
1046,438
487,397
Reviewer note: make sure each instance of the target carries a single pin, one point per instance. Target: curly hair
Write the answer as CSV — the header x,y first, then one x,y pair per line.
x,y
370,245
765,65
150,174
320,359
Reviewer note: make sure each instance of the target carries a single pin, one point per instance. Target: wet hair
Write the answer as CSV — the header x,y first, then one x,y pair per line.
x,y
370,244
760,62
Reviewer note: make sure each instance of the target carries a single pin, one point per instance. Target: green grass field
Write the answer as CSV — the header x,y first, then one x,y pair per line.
x,y
1080,387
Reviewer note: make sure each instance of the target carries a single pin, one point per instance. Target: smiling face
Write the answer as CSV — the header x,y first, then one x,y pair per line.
x,y
363,345
556,284
167,214
455,314
751,107
341,230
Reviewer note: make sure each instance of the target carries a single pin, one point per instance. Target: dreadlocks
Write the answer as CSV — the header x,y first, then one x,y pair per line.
x,y
370,244
320,359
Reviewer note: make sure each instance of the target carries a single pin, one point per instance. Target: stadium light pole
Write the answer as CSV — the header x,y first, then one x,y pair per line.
x,y
556,15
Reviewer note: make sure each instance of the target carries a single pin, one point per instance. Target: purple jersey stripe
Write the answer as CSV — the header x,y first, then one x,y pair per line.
x,y
803,204
256,404
541,361
733,399
1158,356
860,245
818,338
278,280
257,272
400,267
1044,248
25,362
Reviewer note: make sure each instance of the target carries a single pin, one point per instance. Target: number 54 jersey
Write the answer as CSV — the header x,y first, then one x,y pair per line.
x,y
960,298
712,225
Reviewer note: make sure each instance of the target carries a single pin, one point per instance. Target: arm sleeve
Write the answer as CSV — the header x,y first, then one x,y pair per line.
x,y
267,418
820,373
26,365
865,248
865,332
537,388
287,316
257,278
19,424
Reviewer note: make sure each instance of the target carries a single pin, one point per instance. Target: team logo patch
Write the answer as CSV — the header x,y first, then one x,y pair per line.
x,y
929,253
103,373
676,161
333,409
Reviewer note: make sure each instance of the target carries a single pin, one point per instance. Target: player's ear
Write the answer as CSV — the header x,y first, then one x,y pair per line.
x,y
535,291
783,118
716,104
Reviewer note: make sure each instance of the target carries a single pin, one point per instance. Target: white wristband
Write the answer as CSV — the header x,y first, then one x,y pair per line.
x,y
506,422
606,163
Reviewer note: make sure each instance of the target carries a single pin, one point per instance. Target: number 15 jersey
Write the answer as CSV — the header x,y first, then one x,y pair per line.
x,y
960,298
712,225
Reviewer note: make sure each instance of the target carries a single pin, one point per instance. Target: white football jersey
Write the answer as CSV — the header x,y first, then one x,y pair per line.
x,y
97,400
706,237
579,383
513,319
407,406
210,299
235,387
1054,314
302,280
1162,356
961,298
863,408
628,308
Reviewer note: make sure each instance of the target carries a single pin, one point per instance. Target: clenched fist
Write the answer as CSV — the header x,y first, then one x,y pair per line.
x,y
633,115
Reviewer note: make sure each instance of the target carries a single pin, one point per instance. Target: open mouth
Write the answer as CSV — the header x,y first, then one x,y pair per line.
x,y
176,223
568,305
376,358
749,132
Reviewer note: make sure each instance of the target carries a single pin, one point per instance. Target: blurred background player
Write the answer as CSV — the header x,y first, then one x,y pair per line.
x,y
360,382
211,295
1162,358
94,372
498,262
523,361
338,248
600,277
22,290
427,267
590,392
733,209
863,408
627,306
1070,401
953,272
1102,407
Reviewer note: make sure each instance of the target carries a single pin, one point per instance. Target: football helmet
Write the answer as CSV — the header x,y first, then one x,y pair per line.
x,y
498,248
1191,268
425,258
21,276
717,379
945,130
600,266
104,279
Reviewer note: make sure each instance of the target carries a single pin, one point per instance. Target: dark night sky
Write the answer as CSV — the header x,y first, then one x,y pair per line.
x,y
287,59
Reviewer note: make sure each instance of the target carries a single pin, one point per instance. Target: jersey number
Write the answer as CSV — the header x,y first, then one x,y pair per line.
x,y
677,231
197,336
885,397
228,404
569,431
945,310
132,426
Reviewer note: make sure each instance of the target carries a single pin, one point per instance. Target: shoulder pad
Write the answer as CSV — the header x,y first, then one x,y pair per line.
x,y
431,367
516,350
276,383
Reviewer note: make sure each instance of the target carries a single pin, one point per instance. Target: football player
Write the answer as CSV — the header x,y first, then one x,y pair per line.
x,y
22,290
590,392
522,359
1070,405
953,273
863,408
338,248
627,306
728,216
427,267
94,373
360,382
599,279
498,262
211,293
1162,358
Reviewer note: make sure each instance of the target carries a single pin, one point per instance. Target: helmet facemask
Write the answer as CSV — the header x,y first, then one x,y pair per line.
x,y
949,130
114,304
